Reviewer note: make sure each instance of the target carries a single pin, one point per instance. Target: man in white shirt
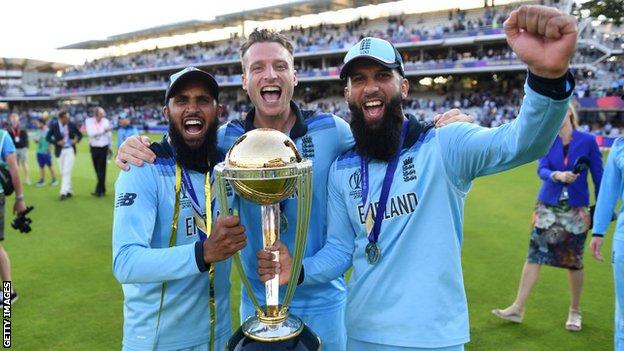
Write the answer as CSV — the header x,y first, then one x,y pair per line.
x,y
99,132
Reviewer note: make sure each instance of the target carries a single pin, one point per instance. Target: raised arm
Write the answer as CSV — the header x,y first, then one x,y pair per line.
x,y
544,39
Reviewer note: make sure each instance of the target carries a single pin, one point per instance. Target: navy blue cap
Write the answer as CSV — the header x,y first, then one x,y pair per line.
x,y
192,73
378,50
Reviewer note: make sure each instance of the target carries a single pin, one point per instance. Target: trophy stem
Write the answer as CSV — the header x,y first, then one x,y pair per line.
x,y
270,231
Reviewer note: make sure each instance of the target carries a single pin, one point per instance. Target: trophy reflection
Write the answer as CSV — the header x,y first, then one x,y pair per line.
x,y
264,166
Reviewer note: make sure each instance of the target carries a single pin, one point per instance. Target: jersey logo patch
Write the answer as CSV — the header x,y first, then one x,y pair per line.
x,y
307,147
409,172
355,183
125,199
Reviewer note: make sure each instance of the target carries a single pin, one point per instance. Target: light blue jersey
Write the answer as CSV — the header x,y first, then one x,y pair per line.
x,y
612,180
613,185
124,133
143,260
414,296
320,138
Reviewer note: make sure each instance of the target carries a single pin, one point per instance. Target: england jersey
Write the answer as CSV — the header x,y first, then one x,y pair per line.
x,y
414,295
142,260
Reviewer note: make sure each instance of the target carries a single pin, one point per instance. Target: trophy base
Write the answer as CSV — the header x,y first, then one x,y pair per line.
x,y
305,340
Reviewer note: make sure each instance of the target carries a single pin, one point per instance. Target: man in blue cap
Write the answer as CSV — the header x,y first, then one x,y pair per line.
x,y
173,265
396,201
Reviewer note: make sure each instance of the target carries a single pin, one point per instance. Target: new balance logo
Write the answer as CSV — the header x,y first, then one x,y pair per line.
x,y
125,199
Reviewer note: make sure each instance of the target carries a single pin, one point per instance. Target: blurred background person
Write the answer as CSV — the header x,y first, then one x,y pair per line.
x,y
19,136
64,135
613,189
126,129
561,218
99,131
44,157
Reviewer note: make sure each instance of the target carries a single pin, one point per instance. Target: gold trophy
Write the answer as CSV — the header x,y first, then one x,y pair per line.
x,y
264,166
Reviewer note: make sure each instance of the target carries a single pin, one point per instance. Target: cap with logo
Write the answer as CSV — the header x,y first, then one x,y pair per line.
x,y
378,50
191,73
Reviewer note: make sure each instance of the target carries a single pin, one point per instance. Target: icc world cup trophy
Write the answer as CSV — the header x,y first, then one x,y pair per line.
x,y
264,166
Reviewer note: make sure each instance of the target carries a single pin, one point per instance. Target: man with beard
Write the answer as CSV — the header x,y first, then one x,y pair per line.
x,y
396,200
172,263
269,78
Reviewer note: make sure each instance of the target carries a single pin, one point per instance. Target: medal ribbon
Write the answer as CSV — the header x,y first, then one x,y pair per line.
x,y
202,226
373,236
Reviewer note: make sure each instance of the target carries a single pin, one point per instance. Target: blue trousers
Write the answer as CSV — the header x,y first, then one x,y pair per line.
x,y
329,326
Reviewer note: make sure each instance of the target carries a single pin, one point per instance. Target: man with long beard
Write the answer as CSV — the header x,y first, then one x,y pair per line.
x,y
172,263
395,202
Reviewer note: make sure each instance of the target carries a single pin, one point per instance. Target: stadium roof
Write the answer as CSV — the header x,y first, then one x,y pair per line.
x,y
295,9
25,64
289,9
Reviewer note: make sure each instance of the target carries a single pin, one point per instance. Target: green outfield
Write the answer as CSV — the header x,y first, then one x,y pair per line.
x,y
69,299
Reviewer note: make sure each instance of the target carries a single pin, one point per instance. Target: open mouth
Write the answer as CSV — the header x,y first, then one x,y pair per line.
x,y
271,93
193,126
373,108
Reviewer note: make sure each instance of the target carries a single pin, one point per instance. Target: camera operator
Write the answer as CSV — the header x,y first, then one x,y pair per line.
x,y
8,156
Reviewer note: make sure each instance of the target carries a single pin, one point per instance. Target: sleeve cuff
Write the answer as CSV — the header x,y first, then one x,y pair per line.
x,y
557,89
597,235
199,257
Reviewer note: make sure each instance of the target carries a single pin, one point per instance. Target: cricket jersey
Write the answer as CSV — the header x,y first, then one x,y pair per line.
x,y
613,184
414,295
320,138
143,260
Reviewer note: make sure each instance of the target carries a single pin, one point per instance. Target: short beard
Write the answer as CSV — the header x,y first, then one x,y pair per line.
x,y
196,157
380,141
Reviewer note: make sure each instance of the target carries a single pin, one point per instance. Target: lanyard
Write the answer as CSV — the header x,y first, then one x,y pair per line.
x,y
202,225
373,235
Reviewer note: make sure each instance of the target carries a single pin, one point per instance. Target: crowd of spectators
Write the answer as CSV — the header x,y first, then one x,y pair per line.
x,y
33,88
398,29
607,80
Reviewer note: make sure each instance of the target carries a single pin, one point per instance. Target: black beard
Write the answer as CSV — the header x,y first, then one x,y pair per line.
x,y
380,141
197,158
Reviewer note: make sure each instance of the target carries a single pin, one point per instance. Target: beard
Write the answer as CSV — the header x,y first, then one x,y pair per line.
x,y
379,141
197,157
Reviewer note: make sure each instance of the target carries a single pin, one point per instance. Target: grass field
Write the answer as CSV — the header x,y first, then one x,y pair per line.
x,y
69,299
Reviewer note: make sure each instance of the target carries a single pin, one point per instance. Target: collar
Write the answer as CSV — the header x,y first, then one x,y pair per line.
x,y
299,129
414,130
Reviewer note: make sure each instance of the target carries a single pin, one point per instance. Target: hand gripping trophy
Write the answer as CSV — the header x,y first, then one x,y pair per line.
x,y
264,166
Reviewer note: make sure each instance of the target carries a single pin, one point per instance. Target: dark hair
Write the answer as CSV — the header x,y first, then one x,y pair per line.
x,y
265,36
62,113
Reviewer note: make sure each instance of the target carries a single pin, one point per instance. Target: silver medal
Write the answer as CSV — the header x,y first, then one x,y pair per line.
x,y
373,253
